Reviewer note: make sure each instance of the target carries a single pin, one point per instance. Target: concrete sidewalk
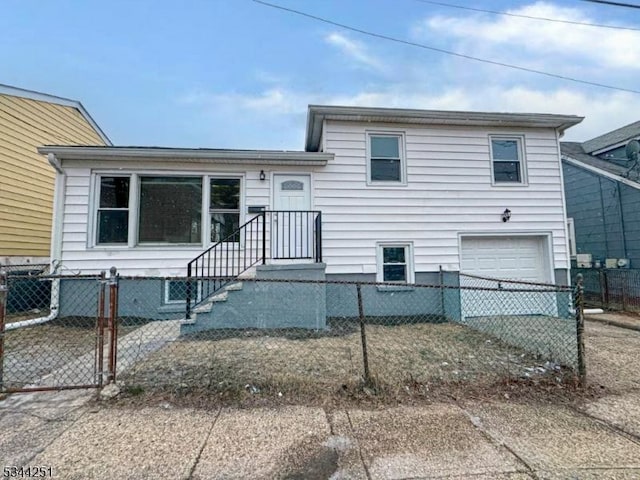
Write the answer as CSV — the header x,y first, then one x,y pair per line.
x,y
490,440
482,440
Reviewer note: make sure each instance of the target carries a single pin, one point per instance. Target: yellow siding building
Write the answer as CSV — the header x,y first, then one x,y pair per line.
x,y
29,120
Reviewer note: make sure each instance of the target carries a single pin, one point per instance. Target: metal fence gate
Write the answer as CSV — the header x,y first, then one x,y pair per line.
x,y
49,345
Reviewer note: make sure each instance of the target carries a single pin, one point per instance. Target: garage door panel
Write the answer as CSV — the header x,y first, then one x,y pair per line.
x,y
506,258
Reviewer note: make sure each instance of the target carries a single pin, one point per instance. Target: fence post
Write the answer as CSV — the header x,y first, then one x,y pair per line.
x,y
264,238
4,294
100,326
624,279
363,337
603,287
188,299
441,278
113,324
579,302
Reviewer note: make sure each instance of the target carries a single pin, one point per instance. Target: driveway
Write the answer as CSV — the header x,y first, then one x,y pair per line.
x,y
493,439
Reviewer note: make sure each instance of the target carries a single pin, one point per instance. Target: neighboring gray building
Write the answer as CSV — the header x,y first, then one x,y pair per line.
x,y
602,192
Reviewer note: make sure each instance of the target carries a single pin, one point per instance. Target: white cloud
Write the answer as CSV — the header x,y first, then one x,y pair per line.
x,y
286,108
523,38
354,50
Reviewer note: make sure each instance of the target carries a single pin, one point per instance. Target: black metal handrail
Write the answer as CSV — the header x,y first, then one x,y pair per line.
x,y
294,234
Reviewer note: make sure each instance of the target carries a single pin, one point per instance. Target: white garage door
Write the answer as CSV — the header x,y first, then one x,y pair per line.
x,y
516,258
508,258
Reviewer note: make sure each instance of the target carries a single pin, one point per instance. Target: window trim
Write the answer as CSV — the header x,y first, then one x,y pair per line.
x,y
400,134
134,193
93,226
209,211
167,301
524,177
409,261
571,238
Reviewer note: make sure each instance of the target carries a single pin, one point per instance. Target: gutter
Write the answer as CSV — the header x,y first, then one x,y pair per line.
x,y
252,157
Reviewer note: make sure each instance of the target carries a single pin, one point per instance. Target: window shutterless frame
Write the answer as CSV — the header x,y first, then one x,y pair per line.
x,y
386,158
508,160
392,258
225,194
112,212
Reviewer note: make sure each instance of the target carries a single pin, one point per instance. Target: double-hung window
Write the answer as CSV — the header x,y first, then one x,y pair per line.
x,y
386,159
113,211
507,160
170,210
395,263
224,209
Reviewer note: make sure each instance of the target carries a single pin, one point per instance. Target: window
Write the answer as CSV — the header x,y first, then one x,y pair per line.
x,y
395,263
572,237
507,160
385,158
170,210
224,208
175,291
113,211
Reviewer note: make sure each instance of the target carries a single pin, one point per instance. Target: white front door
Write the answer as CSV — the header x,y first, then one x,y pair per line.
x,y
292,221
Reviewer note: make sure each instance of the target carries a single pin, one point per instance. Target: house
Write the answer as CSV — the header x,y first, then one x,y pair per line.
x,y
602,189
28,120
386,195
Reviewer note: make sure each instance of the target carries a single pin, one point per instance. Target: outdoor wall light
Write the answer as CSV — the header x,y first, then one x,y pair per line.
x,y
262,175
506,215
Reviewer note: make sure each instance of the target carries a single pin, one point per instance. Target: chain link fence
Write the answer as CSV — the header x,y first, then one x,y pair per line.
x,y
43,346
287,337
612,289
306,337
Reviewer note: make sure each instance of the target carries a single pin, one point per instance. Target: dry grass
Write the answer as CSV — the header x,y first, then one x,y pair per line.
x,y
405,357
33,352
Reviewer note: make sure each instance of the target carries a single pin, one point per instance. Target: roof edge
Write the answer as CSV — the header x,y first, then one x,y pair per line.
x,y
317,113
599,171
98,153
62,101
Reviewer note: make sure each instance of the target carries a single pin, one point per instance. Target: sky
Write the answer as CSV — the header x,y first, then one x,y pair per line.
x,y
238,74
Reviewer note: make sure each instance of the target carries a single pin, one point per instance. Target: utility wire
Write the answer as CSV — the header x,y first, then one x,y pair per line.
x,y
441,50
530,17
614,4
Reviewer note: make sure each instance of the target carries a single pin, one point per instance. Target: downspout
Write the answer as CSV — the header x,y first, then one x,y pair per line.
x,y
622,226
56,247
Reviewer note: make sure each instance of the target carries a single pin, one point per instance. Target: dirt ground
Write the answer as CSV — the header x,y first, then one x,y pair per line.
x,y
408,358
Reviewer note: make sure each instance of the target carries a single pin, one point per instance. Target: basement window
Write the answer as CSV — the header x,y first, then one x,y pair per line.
x,y
175,291
395,263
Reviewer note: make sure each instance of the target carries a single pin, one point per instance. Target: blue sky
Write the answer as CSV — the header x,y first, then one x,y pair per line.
x,y
236,74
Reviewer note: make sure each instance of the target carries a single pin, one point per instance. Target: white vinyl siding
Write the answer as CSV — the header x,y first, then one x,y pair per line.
x,y
448,192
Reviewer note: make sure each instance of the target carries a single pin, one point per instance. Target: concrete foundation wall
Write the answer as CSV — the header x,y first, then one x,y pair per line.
x,y
263,304
394,301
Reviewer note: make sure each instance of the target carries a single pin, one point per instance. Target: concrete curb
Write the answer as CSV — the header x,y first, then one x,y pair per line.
x,y
614,323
